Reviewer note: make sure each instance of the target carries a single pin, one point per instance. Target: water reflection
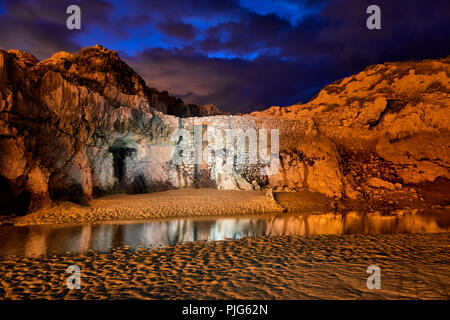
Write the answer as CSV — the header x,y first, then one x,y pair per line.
x,y
38,240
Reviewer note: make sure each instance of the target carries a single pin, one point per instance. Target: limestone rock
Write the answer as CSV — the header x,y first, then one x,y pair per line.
x,y
379,183
77,126
398,113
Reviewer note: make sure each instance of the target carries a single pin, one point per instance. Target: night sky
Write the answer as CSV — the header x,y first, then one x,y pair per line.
x,y
239,55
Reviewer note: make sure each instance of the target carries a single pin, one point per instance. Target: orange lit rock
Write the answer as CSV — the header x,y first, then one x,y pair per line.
x,y
76,126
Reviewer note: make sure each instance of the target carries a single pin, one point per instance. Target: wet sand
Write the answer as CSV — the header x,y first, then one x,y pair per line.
x,y
413,266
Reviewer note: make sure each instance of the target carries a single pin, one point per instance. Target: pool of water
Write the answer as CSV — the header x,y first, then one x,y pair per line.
x,y
77,238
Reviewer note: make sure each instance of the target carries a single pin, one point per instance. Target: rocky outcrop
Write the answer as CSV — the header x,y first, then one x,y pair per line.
x,y
390,123
78,126
101,70
74,127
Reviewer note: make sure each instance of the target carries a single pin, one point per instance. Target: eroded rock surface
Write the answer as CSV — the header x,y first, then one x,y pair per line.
x,y
74,127
390,123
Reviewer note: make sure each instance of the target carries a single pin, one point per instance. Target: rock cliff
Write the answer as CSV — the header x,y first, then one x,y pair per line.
x,y
390,123
74,127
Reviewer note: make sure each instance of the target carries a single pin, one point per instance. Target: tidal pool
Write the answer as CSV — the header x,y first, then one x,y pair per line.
x,y
38,240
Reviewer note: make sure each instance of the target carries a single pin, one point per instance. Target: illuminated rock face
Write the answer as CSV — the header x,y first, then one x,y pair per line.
x,y
79,126
390,122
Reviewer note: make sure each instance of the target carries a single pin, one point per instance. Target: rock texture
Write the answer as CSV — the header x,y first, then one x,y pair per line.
x,y
389,123
74,127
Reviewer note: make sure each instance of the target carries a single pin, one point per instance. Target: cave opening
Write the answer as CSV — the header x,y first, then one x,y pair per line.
x,y
121,149
119,156
11,203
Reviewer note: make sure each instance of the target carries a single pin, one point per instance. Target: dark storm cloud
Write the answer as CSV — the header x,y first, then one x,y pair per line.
x,y
236,54
39,27
294,61
228,82
187,8
339,31
405,25
178,29
253,32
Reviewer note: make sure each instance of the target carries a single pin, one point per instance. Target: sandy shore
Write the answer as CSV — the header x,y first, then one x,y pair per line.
x,y
413,266
200,203
174,203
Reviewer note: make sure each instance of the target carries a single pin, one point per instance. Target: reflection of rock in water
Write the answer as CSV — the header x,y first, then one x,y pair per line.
x,y
102,236
354,222
286,225
85,238
232,229
146,234
38,240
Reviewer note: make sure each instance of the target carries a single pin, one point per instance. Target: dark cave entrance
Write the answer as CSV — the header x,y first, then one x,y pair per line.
x,y
121,149
11,203
126,166
120,153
